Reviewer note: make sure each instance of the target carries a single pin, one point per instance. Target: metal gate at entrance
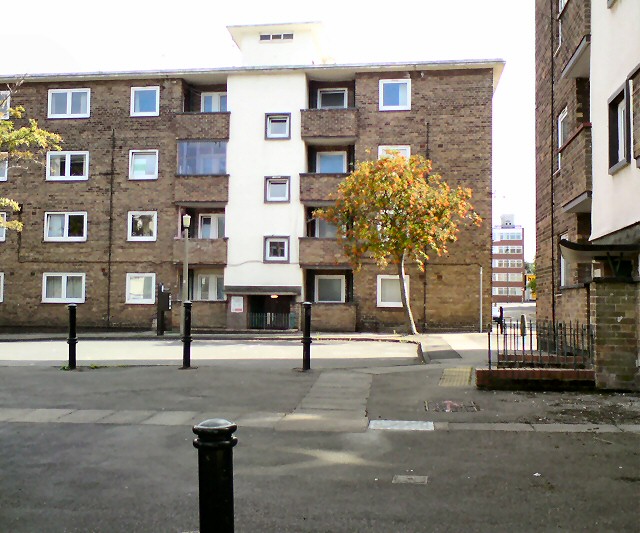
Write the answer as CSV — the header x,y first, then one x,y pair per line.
x,y
267,312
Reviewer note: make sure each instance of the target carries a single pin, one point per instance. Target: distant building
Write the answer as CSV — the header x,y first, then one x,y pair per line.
x,y
508,262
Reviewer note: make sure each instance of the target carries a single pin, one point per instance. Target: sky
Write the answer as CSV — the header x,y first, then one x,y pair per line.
x,y
84,36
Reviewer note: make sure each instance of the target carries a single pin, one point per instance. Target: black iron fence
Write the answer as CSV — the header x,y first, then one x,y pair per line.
x,y
272,320
522,343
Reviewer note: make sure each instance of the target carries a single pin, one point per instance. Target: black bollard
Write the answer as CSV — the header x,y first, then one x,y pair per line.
x,y
306,337
186,338
73,337
215,442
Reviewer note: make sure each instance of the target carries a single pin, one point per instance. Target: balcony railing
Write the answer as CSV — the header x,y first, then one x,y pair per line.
x,y
202,125
321,252
329,123
319,187
198,189
202,251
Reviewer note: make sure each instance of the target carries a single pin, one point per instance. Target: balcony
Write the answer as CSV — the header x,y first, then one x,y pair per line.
x,y
200,189
321,252
211,252
330,126
574,179
202,125
319,188
576,31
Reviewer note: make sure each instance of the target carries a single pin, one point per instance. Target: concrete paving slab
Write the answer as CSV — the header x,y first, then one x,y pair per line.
x,y
84,416
499,426
170,418
322,421
127,417
630,428
42,415
576,428
260,420
340,404
401,425
8,414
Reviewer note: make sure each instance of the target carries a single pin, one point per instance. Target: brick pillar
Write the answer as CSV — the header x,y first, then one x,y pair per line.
x,y
615,310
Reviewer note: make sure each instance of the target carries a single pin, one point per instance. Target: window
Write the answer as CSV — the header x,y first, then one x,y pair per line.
x,y
276,189
142,225
202,158
269,37
332,98
276,249
141,288
63,166
4,166
211,226
210,287
69,103
500,291
330,288
213,102
3,230
515,277
145,101
5,104
499,276
331,162
277,126
143,164
563,132
63,287
564,266
395,95
515,291
325,230
561,4
1,287
619,130
389,290
387,150
59,227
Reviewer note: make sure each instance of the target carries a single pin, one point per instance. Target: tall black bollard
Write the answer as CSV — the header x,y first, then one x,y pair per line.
x,y
73,337
306,337
186,338
215,442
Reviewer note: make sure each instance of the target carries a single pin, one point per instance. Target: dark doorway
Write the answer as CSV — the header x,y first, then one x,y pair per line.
x,y
266,312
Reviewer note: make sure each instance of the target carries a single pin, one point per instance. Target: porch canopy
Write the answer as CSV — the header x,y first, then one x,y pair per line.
x,y
614,254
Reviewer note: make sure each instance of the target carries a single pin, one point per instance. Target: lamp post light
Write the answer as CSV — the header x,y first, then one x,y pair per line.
x,y
186,222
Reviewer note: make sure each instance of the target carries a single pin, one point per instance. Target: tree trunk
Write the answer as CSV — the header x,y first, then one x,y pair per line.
x,y
405,299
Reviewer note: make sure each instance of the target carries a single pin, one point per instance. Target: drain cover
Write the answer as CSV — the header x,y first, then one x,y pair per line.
x,y
416,480
449,406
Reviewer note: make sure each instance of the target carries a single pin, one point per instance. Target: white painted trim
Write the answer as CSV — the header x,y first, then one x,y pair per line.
x,y
4,165
330,90
63,298
68,114
279,179
65,237
384,149
141,301
382,277
3,230
560,128
153,237
68,177
1,287
5,104
132,153
216,95
270,134
135,113
343,283
268,258
344,161
215,276
405,107
215,225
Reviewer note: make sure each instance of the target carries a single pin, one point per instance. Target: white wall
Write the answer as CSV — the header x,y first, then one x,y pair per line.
x,y
615,51
250,157
303,49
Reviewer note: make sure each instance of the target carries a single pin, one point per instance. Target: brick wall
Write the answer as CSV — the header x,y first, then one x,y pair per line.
x,y
319,187
573,305
328,123
208,126
201,189
321,252
333,317
614,311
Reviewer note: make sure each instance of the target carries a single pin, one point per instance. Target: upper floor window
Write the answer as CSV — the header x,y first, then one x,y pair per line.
x,y
67,166
142,226
276,249
619,130
145,101
211,226
59,227
278,126
395,95
65,287
561,4
202,158
276,189
331,162
213,102
324,229
4,166
69,103
332,98
143,164
388,150
5,104
563,132
3,230
275,37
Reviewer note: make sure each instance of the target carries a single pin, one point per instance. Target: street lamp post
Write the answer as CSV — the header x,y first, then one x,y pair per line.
x,y
186,222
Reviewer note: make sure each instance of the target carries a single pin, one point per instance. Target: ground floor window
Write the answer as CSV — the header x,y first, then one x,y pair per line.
x,y
141,288
388,290
210,287
63,287
330,288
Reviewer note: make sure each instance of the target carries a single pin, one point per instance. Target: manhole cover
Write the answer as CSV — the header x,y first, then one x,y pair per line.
x,y
449,406
416,480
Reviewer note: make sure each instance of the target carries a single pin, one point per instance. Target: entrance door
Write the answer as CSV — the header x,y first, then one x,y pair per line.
x,y
266,312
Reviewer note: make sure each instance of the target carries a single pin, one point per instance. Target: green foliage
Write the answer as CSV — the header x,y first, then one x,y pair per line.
x,y
533,285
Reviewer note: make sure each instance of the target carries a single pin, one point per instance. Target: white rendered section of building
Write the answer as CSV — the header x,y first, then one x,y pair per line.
x,y
614,54
250,158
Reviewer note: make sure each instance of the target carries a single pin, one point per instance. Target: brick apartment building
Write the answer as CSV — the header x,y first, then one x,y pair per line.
x,y
508,262
588,176
248,152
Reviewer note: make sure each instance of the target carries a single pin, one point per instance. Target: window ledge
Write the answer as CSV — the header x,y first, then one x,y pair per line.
x,y
201,175
574,135
618,167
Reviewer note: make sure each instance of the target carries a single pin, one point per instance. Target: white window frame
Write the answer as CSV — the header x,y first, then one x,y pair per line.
x,y
151,238
4,167
68,155
1,287
344,161
268,258
3,230
500,276
269,118
316,229
385,149
132,154
382,277
68,114
141,301
65,237
198,291
215,225
215,100
343,284
5,104
564,266
135,113
277,179
401,107
562,117
63,299
336,90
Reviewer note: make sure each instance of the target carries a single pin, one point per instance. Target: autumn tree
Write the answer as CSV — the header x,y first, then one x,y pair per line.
x,y
394,210
21,146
